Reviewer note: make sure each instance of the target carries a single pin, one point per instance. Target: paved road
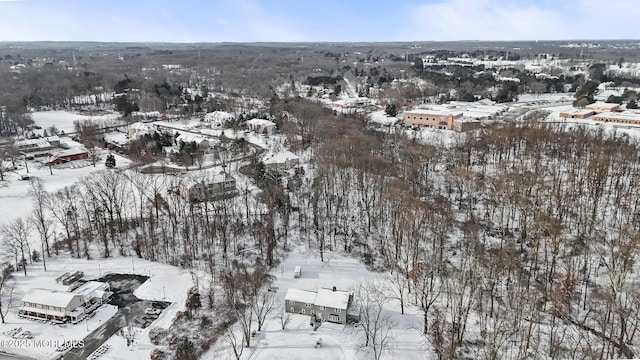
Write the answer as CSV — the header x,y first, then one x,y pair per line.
x,y
131,315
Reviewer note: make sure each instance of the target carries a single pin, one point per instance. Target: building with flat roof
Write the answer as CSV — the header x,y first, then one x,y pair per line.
x,y
577,113
600,106
625,117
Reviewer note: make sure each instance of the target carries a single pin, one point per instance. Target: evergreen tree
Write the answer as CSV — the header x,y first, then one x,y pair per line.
x,y
391,110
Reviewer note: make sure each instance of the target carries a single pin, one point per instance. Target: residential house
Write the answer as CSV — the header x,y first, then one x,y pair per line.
x,y
261,126
326,304
281,161
218,118
352,103
139,129
200,141
208,188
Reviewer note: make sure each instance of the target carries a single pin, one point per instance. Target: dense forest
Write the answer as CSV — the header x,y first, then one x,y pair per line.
x,y
526,230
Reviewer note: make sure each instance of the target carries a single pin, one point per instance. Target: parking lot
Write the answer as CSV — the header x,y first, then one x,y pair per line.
x,y
131,312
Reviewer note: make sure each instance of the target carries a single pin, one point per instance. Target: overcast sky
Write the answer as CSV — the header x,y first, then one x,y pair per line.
x,y
323,20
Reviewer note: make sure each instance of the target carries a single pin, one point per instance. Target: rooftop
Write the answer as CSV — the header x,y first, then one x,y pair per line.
x,y
334,299
307,297
280,157
49,297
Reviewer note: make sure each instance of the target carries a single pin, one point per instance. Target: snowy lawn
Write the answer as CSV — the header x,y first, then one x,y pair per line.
x,y
63,120
14,193
297,340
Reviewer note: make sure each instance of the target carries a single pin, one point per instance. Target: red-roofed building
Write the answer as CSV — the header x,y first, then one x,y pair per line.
x,y
64,156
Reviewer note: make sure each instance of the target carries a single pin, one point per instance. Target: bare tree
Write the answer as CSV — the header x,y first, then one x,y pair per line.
x,y
231,338
16,235
263,305
375,323
7,284
39,218
284,319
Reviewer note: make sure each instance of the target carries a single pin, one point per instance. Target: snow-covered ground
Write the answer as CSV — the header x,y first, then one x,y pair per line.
x,y
380,117
63,120
15,194
339,341
166,283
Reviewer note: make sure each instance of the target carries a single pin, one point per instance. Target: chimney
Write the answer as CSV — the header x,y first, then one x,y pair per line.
x,y
334,289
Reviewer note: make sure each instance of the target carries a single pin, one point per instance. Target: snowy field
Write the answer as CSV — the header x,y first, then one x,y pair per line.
x,y
63,120
167,283
339,341
15,194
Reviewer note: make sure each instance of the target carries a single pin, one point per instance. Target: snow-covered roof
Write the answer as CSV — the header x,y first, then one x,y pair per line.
x,y
140,126
218,116
575,111
466,119
42,143
434,112
305,296
280,158
89,287
219,178
187,138
260,122
626,115
334,299
602,105
49,297
69,152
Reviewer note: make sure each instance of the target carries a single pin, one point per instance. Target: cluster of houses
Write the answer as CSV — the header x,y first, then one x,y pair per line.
x,y
71,301
605,112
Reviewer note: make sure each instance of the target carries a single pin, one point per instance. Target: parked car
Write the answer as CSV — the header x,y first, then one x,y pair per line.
x,y
152,311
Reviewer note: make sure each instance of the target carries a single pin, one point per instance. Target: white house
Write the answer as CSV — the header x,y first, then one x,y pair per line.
x,y
139,129
52,305
261,126
218,118
63,306
201,141
281,161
